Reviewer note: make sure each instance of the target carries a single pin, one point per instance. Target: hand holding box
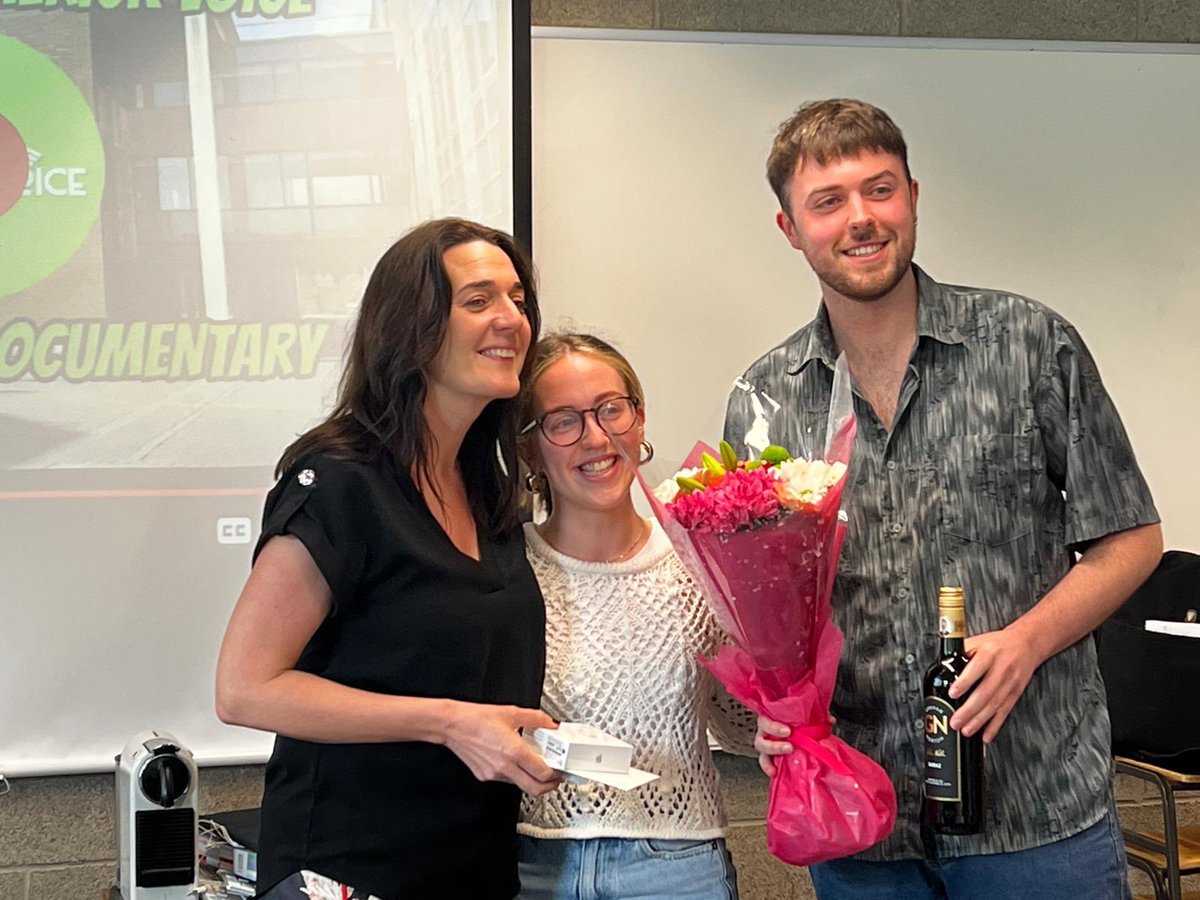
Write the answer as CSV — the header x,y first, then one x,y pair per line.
x,y
585,751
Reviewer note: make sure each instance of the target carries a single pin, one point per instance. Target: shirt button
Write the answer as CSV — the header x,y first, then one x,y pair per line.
x,y
902,593
895,529
909,659
891,464
918,725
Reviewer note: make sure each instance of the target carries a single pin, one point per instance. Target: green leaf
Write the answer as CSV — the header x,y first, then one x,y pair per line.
x,y
711,463
728,457
775,454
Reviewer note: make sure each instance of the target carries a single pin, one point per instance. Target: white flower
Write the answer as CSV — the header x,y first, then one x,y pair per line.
x,y
806,481
669,489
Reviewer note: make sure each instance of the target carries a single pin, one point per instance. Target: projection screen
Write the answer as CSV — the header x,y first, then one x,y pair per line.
x,y
192,195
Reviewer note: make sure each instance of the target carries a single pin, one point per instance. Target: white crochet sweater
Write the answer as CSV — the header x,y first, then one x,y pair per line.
x,y
621,642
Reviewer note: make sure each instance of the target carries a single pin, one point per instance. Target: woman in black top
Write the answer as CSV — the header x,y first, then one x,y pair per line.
x,y
391,631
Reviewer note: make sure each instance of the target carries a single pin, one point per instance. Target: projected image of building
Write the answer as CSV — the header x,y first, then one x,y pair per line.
x,y
254,170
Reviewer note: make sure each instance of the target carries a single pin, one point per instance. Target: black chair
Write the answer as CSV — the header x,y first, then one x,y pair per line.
x,y
1153,684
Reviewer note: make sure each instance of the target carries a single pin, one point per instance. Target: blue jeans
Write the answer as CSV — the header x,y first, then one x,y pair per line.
x,y
1090,864
625,869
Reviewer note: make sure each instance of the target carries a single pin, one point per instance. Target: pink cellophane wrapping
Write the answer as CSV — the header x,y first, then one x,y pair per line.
x,y
770,589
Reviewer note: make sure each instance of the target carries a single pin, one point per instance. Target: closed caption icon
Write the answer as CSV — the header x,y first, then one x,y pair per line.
x,y
233,530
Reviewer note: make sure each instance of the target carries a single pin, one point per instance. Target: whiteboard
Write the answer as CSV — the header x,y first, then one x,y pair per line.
x,y
1064,175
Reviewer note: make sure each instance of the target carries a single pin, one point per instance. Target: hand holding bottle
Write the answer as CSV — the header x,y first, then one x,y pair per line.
x,y
1002,664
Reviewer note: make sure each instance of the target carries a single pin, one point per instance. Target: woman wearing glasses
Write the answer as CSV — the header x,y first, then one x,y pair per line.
x,y
624,623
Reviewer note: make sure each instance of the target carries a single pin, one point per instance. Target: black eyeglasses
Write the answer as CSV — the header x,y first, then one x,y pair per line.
x,y
564,427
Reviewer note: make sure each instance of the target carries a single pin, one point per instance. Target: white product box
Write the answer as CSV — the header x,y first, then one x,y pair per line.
x,y
586,753
574,745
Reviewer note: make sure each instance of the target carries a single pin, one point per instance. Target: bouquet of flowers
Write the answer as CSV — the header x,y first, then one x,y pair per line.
x,y
763,537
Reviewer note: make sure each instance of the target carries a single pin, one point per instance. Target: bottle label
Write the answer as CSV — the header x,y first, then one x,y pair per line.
x,y
952,622
943,760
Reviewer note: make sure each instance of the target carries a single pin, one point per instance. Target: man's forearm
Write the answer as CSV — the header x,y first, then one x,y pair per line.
x,y
1106,574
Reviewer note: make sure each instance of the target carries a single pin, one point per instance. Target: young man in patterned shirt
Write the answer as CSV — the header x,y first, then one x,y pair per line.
x,y
988,456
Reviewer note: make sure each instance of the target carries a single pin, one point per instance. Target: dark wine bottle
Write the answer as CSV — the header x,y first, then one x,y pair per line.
x,y
954,787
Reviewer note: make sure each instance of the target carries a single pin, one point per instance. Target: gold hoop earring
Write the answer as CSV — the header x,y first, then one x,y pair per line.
x,y
648,451
535,483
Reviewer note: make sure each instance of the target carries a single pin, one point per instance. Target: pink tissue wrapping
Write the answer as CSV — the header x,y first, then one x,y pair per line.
x,y
770,588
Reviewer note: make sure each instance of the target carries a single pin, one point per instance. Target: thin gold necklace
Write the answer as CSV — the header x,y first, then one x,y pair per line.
x,y
641,535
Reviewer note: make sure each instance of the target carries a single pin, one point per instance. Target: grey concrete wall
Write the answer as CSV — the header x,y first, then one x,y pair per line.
x,y
1068,20
56,834
57,839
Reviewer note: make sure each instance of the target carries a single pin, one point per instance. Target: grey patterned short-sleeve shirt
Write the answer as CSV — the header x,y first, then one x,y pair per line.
x,y
1006,455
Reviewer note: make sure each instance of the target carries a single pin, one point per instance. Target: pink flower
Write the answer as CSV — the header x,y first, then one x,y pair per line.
x,y
741,500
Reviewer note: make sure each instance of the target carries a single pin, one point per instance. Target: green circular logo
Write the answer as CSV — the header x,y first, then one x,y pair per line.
x,y
44,117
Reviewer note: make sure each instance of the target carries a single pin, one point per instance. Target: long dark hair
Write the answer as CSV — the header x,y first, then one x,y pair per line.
x,y
401,325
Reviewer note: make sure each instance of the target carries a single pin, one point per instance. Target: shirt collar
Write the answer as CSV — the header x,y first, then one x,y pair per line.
x,y
937,318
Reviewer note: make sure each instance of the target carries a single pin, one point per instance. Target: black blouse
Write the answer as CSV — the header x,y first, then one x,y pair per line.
x,y
411,616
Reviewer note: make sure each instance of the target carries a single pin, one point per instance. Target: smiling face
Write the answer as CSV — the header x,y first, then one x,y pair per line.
x,y
855,221
487,335
595,473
